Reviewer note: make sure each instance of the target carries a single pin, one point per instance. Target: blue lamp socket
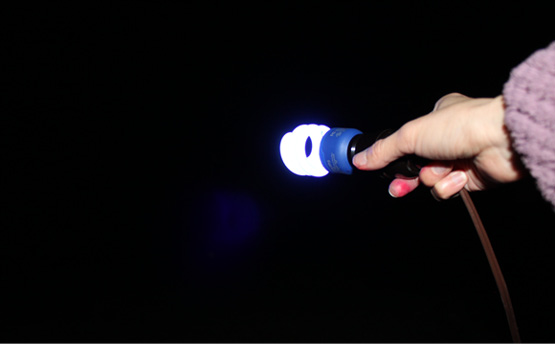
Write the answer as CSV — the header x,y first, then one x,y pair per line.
x,y
334,150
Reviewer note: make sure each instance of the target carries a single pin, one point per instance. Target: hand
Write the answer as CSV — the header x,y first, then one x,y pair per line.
x,y
466,140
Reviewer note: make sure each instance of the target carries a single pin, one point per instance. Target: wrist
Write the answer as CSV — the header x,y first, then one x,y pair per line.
x,y
499,136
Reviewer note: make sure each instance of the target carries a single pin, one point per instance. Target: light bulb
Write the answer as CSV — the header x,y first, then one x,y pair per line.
x,y
333,151
293,154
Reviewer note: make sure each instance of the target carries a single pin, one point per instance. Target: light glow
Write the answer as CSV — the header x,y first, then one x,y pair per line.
x,y
293,154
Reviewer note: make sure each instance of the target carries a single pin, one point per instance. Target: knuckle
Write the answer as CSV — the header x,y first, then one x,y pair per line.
x,y
445,98
378,149
406,138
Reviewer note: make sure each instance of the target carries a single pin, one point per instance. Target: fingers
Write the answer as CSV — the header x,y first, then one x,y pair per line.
x,y
422,137
449,99
446,187
401,187
403,141
374,157
452,184
440,176
445,182
384,151
435,171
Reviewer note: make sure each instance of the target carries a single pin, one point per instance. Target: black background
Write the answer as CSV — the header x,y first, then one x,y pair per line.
x,y
144,198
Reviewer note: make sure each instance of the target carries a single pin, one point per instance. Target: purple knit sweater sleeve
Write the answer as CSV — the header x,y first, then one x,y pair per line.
x,y
529,96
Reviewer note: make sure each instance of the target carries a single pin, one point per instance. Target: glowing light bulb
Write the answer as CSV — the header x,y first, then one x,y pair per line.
x,y
293,154
333,151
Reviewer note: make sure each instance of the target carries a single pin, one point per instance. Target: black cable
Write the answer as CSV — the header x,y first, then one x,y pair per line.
x,y
494,265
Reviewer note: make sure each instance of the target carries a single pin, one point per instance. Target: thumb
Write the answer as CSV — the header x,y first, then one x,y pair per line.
x,y
381,153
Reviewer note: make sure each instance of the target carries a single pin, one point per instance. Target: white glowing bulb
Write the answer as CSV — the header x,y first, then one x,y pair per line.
x,y
293,154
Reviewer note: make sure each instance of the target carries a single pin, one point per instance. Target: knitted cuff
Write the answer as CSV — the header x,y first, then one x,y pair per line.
x,y
529,96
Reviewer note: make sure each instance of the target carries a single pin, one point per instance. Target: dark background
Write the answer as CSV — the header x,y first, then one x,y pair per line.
x,y
144,198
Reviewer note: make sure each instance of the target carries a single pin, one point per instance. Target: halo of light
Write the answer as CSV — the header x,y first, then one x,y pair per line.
x,y
293,154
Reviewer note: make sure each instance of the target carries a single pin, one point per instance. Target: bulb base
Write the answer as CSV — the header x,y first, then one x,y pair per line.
x,y
334,148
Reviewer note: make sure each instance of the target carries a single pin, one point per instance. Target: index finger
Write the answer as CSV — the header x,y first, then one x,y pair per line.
x,y
387,150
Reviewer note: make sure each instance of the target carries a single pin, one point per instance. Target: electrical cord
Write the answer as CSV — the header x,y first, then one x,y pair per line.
x,y
494,265
337,147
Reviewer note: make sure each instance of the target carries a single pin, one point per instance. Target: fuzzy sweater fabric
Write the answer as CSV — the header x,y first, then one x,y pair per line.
x,y
529,96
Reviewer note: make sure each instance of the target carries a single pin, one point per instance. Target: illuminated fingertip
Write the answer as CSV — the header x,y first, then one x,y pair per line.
x,y
402,187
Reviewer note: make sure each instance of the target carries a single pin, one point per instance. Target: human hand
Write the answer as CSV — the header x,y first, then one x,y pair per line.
x,y
466,140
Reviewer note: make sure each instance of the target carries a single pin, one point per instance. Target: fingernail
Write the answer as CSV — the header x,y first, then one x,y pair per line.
x,y
439,170
390,192
454,180
360,159
458,178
